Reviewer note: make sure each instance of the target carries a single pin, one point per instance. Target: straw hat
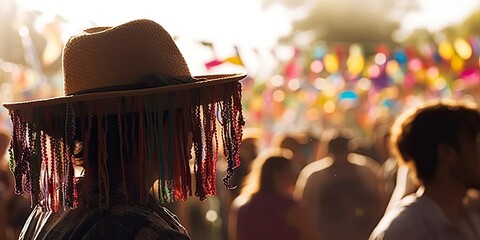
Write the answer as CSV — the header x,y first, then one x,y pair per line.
x,y
131,68
108,62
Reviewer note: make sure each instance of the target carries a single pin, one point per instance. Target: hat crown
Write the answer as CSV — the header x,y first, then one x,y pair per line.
x,y
104,57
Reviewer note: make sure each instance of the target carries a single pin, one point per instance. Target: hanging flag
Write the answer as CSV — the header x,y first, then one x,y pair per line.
x,y
207,44
234,60
213,63
238,59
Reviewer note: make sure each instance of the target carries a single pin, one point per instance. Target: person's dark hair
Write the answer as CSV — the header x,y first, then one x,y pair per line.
x,y
416,135
4,142
270,168
268,163
339,142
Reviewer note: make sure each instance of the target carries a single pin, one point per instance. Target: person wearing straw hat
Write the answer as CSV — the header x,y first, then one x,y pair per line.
x,y
98,160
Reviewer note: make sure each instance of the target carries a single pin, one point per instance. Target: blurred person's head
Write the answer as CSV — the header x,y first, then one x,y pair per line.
x,y
338,143
440,133
4,142
6,178
302,144
250,145
272,171
276,174
249,149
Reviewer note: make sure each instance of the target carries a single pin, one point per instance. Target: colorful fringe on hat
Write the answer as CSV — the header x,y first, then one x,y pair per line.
x,y
43,146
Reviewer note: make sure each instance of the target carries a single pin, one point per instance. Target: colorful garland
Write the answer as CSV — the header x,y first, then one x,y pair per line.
x,y
43,147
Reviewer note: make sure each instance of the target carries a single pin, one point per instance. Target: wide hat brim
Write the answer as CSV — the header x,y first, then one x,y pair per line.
x,y
203,81
129,88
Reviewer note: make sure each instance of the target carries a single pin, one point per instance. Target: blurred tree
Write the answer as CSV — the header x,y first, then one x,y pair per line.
x,y
471,25
347,21
368,22
420,35
467,28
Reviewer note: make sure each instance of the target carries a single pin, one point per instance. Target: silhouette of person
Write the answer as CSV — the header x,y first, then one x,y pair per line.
x,y
440,142
341,191
6,187
265,209
98,161
249,150
302,144
15,208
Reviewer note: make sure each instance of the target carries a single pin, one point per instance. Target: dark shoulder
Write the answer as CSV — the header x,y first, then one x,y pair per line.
x,y
128,222
118,222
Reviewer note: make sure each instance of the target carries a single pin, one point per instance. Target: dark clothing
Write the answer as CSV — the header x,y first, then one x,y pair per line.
x,y
120,221
265,216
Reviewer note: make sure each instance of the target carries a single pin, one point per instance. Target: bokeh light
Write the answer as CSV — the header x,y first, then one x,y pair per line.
x,y
294,84
316,66
331,63
374,71
392,67
320,83
329,107
463,49
380,58
445,50
278,95
277,80
432,73
415,65
364,85
456,63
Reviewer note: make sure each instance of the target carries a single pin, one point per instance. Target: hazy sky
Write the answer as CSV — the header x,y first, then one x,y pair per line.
x,y
225,23
436,14
241,22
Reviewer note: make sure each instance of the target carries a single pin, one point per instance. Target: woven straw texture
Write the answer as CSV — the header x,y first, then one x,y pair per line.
x,y
102,57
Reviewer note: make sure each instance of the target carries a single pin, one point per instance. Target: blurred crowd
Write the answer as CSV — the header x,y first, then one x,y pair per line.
x,y
314,158
298,185
334,189
14,209
347,198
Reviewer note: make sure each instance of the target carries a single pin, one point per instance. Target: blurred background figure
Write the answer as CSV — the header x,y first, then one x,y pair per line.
x,y
253,140
252,143
266,209
342,191
6,187
325,64
14,209
440,143
389,166
303,145
208,219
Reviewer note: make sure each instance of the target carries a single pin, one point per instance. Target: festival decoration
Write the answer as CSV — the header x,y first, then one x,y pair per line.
x,y
317,82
